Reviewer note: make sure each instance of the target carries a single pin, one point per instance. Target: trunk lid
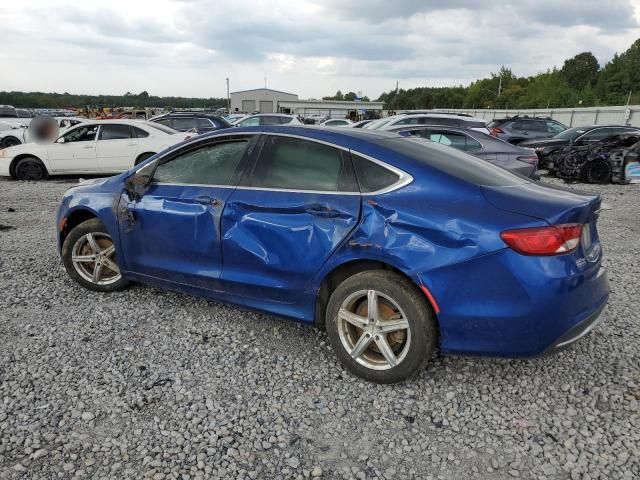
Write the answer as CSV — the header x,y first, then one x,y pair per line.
x,y
553,204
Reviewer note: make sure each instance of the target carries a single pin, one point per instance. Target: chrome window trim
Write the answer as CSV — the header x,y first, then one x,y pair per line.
x,y
403,177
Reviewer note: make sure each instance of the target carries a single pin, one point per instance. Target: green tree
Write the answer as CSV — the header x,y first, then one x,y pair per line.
x,y
580,70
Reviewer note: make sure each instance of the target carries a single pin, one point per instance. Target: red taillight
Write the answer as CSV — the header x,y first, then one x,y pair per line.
x,y
532,159
553,240
495,131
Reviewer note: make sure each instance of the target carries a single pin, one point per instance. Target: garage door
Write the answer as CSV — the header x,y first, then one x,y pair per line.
x,y
266,106
248,106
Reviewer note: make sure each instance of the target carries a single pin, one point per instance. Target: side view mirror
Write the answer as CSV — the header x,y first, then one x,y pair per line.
x,y
60,140
137,184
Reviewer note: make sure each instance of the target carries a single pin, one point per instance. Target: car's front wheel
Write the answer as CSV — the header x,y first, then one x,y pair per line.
x,y
89,256
380,326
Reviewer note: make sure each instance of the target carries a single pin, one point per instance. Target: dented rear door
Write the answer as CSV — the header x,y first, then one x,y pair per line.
x,y
286,219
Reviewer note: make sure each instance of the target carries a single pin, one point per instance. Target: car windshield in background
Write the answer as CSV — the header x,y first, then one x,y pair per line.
x,y
453,162
162,128
571,133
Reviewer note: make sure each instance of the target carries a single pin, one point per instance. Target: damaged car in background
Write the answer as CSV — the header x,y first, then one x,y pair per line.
x,y
612,160
397,247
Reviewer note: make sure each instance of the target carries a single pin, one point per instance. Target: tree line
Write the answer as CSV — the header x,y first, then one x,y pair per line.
x,y
581,82
141,100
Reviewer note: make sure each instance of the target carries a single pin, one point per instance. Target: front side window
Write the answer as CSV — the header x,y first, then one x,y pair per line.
x,y
372,177
270,120
209,165
296,164
115,132
82,134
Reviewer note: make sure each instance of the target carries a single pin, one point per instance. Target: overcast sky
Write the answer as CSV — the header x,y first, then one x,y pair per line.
x,y
308,47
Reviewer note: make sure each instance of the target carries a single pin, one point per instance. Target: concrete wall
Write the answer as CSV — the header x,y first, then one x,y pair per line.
x,y
572,117
262,99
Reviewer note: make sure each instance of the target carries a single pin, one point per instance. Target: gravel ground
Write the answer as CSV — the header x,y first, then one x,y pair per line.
x,y
153,384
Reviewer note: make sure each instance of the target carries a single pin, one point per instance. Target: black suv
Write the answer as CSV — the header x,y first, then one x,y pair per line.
x,y
183,121
518,129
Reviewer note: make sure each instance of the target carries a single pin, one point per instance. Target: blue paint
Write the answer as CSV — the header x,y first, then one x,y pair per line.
x,y
271,250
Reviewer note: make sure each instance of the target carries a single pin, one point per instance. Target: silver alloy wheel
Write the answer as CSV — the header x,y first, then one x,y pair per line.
x,y
374,329
93,257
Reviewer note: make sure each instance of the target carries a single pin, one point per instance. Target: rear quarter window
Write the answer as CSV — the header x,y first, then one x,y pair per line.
x,y
453,162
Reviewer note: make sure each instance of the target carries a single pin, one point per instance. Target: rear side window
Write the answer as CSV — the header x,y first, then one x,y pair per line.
x,y
453,162
372,177
115,132
139,133
296,164
208,165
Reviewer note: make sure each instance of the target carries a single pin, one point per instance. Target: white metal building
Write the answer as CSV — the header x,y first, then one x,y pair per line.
x,y
330,108
263,100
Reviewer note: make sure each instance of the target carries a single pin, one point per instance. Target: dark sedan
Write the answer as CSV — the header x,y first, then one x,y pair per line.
x,y
575,136
514,158
185,121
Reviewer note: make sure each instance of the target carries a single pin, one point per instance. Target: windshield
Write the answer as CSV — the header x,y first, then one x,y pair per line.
x,y
571,134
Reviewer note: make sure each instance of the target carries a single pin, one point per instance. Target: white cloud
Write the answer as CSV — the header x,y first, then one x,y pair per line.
x,y
311,47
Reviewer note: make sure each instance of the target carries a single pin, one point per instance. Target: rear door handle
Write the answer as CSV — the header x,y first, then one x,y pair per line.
x,y
322,211
206,200
88,146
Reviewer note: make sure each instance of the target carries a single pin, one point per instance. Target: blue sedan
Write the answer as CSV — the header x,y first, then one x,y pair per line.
x,y
396,246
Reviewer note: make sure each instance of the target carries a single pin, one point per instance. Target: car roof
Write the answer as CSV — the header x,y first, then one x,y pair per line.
x,y
441,115
272,115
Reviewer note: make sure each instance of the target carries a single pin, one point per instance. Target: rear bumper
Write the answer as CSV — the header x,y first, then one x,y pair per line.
x,y
576,332
510,305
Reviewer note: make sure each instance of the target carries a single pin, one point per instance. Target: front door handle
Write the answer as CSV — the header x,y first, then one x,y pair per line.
x,y
206,200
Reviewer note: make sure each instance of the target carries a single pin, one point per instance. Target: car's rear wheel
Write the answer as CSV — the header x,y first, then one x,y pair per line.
x,y
30,168
380,326
89,256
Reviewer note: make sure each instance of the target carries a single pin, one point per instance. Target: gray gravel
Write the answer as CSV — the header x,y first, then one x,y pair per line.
x,y
153,384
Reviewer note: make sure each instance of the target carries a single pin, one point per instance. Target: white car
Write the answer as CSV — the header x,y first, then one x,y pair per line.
x,y
268,119
93,147
336,122
20,132
429,118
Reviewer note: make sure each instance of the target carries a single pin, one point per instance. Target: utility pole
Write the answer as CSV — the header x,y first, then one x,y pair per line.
x,y
500,86
629,98
228,97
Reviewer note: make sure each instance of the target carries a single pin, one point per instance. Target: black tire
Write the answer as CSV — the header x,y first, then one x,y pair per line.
x,y
143,157
420,338
74,242
598,171
31,168
7,142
